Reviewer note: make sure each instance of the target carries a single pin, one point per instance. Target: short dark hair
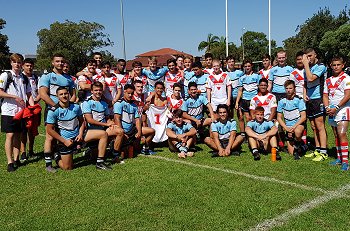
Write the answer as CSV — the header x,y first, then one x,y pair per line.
x,y
208,55
197,64
289,82
177,113
222,106
266,56
338,58
230,57
105,63
121,60
136,63
92,61
171,61
138,81
129,86
192,84
263,80
299,53
96,84
247,61
159,83
28,60
57,55
61,87
177,85
96,53
260,108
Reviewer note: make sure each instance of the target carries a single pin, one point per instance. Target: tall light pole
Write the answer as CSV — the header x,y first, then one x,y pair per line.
x,y
122,16
270,27
243,29
226,32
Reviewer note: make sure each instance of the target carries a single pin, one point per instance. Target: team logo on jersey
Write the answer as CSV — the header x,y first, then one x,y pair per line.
x,y
125,107
62,114
191,104
288,71
275,71
93,106
54,78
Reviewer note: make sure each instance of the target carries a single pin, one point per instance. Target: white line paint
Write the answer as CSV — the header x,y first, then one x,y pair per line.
x,y
261,178
305,207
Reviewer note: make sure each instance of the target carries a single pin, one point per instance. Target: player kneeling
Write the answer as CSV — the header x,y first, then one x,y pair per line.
x,y
223,138
291,115
181,135
261,134
68,118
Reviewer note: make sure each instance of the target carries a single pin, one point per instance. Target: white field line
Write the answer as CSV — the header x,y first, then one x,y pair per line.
x,y
305,207
260,178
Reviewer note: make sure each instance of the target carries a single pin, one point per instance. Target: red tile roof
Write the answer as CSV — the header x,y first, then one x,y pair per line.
x,y
163,51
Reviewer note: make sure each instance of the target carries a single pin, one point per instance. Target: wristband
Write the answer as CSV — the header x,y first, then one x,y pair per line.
x,y
337,107
326,107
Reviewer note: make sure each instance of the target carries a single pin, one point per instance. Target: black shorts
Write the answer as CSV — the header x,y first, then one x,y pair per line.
x,y
279,96
9,125
314,108
244,105
64,150
194,124
224,143
233,102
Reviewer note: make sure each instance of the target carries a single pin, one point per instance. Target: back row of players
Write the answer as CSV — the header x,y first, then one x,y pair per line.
x,y
171,102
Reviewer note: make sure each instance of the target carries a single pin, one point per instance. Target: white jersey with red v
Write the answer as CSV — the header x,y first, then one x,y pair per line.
x,y
170,79
265,73
335,87
267,101
174,103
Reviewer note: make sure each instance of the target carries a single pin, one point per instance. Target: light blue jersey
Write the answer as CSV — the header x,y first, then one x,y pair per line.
x,y
201,82
194,106
250,85
99,111
291,109
187,76
234,78
279,75
179,130
66,120
224,129
313,89
154,76
129,113
53,81
260,128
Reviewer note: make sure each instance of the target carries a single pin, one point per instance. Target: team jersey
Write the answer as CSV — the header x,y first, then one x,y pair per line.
x,y
33,81
314,88
260,128
201,82
140,102
128,112
143,78
208,71
218,84
123,80
291,109
267,101
278,75
53,81
66,120
112,86
335,88
249,83
154,76
194,106
224,129
179,130
298,77
174,103
265,73
98,109
187,76
87,80
170,79
234,78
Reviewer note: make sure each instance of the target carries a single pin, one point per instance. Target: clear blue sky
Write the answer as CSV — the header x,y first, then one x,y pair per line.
x,y
154,24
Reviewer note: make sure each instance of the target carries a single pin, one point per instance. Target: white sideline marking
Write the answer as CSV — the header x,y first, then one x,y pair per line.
x,y
261,178
283,218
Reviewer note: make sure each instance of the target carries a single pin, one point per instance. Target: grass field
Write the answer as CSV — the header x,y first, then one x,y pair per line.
x,y
162,192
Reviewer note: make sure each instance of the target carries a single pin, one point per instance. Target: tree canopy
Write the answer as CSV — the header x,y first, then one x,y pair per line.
x,y
76,41
4,49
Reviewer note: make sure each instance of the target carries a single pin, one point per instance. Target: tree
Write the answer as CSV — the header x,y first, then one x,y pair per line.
x,y
310,33
76,41
337,42
256,45
219,49
4,49
209,44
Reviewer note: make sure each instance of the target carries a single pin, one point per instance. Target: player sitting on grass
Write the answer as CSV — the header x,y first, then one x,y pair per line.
x,y
336,96
291,115
97,115
181,135
68,117
223,138
261,134
126,116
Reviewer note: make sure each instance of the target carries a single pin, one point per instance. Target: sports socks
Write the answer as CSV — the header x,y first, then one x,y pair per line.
x,y
99,160
344,152
48,159
339,152
304,136
323,151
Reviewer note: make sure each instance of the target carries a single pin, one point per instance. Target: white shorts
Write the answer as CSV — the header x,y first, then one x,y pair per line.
x,y
342,115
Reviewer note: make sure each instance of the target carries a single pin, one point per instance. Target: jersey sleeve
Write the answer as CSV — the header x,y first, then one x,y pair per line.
x,y
325,88
78,110
3,80
213,127
250,124
273,102
51,117
240,81
347,83
271,77
171,126
204,100
270,124
44,81
184,106
279,107
118,108
252,104
82,78
233,126
86,107
302,106
137,115
319,70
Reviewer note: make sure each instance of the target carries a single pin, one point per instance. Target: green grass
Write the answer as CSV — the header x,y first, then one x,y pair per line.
x,y
154,194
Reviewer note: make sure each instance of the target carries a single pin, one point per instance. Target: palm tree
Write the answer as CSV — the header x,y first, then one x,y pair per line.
x,y
212,40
